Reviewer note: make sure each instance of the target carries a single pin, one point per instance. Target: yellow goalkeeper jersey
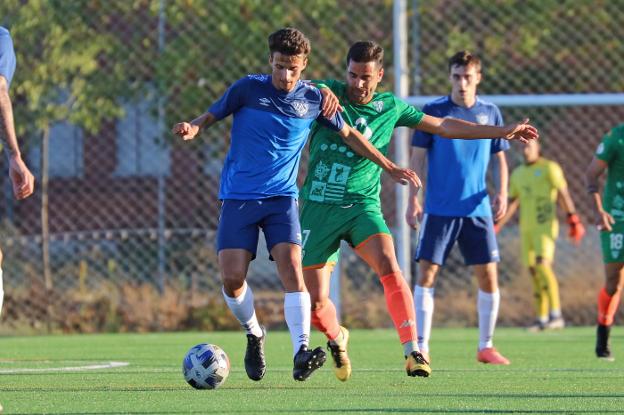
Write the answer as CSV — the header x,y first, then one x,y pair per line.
x,y
536,186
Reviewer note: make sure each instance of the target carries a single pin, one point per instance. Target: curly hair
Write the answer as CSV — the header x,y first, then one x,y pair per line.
x,y
289,41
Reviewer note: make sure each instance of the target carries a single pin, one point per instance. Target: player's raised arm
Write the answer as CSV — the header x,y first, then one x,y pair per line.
x,y
456,128
354,139
188,130
604,220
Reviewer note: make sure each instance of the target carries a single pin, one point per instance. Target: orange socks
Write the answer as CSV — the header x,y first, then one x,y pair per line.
x,y
326,321
607,306
400,305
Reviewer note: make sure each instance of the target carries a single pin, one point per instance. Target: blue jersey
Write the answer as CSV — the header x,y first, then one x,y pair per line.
x,y
457,168
7,55
269,131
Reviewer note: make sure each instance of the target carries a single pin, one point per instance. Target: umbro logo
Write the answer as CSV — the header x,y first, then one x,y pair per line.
x,y
264,101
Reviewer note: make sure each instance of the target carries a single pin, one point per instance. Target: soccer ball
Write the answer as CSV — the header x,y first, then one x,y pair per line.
x,y
206,366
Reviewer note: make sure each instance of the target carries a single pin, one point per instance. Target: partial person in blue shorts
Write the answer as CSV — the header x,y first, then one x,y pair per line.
x,y
272,118
22,179
457,205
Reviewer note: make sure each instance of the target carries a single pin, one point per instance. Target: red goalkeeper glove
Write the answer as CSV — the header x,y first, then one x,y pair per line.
x,y
496,228
576,231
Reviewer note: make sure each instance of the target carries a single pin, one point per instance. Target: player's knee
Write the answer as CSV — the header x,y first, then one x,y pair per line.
x,y
233,278
232,287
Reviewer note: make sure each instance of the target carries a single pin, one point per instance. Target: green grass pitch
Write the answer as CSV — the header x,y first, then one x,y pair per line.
x,y
552,373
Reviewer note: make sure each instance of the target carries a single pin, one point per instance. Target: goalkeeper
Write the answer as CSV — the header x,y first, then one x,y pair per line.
x,y
536,186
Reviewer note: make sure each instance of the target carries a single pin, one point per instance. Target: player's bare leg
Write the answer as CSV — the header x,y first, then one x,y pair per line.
x,y
297,307
325,319
608,302
424,303
488,304
378,252
234,264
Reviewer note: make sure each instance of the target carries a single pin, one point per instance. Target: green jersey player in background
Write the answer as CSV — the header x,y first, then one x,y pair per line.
x,y
341,199
610,222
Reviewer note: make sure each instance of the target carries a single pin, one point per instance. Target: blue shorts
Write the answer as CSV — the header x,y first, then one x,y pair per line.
x,y
240,222
475,236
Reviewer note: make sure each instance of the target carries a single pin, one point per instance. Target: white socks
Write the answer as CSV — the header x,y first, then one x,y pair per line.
x,y
423,303
1,292
243,309
487,304
297,313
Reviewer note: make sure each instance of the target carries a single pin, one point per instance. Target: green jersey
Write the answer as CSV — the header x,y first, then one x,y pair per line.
x,y
611,151
336,174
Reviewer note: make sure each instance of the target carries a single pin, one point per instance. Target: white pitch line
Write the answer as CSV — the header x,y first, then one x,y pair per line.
x,y
109,365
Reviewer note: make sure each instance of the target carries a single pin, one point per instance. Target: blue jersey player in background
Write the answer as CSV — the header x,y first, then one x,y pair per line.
x,y
22,180
272,118
457,206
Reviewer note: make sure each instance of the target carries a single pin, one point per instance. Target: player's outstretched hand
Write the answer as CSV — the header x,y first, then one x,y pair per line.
x,y
405,176
414,214
521,131
576,230
605,221
331,103
22,179
185,130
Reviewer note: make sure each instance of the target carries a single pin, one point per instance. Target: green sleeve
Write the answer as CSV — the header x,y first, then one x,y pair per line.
x,y
409,116
607,148
324,83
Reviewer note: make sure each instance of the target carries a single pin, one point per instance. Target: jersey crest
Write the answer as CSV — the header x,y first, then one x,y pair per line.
x,y
301,107
378,105
482,118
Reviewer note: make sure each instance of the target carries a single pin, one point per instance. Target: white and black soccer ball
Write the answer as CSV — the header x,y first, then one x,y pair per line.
x,y
206,366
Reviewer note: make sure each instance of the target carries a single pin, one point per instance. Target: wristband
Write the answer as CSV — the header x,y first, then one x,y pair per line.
x,y
592,188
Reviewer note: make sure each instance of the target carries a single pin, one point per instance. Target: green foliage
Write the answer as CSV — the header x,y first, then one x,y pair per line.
x,y
67,68
524,43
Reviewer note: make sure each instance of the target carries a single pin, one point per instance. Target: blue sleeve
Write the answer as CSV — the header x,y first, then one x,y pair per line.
x,y
498,144
421,138
231,101
7,56
335,123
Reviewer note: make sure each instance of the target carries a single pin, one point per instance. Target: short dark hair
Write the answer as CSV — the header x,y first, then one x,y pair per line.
x,y
289,41
464,58
366,51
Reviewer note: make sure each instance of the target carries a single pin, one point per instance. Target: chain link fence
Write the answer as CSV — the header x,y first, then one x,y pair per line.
x,y
126,240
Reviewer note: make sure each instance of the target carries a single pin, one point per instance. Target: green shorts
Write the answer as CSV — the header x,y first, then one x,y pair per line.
x,y
323,226
612,244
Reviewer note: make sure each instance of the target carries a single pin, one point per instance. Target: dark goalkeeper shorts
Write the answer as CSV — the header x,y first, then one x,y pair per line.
x,y
323,226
